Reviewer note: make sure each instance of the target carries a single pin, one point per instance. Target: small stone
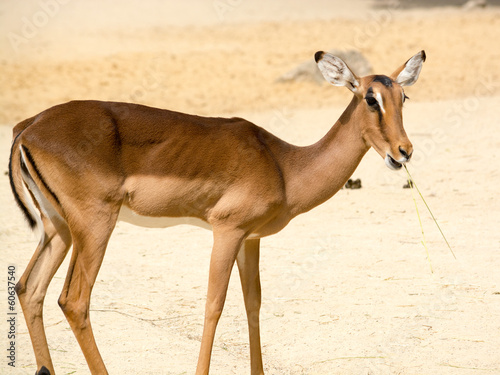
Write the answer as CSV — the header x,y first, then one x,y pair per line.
x,y
353,184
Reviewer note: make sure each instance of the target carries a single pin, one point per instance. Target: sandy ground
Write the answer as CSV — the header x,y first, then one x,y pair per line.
x,y
347,288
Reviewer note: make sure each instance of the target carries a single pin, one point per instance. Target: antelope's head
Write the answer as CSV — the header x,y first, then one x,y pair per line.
x,y
378,104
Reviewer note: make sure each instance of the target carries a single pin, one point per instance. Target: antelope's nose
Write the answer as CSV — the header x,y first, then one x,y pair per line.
x,y
406,152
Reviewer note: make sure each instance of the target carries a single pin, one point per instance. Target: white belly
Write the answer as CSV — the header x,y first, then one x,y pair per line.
x,y
129,216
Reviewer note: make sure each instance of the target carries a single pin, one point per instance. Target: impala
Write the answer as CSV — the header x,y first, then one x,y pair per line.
x,y
77,168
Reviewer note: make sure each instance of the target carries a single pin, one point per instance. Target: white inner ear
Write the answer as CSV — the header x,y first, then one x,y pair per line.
x,y
337,72
410,73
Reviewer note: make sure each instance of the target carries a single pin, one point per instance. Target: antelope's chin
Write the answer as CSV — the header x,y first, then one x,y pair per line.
x,y
392,163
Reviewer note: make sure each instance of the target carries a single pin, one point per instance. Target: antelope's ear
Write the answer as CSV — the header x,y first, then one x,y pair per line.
x,y
336,71
407,74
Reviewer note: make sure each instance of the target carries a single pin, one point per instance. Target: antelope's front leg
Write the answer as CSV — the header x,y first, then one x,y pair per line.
x,y
227,243
248,265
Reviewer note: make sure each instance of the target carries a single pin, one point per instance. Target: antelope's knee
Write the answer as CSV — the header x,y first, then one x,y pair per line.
x,y
75,311
29,296
20,288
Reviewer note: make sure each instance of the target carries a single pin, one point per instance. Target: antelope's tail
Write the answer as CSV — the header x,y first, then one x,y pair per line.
x,y
18,168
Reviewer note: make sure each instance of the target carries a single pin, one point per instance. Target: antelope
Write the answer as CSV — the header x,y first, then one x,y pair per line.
x,y
77,168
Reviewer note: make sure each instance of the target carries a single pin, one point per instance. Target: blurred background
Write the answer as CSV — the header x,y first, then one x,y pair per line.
x,y
216,57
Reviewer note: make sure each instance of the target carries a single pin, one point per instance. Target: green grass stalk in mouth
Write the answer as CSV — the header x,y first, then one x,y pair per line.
x,y
412,184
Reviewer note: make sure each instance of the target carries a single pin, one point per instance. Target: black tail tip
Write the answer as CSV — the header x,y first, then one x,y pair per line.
x,y
318,55
424,56
43,371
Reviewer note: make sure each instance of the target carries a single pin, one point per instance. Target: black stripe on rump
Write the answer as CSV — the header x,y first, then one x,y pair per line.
x,y
37,171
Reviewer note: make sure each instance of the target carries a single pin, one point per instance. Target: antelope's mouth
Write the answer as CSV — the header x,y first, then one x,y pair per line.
x,y
392,163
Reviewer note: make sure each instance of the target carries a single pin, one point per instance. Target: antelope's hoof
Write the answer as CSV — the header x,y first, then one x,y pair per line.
x,y
43,371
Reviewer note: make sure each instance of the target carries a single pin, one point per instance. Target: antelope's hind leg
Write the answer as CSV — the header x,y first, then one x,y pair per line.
x,y
32,287
91,234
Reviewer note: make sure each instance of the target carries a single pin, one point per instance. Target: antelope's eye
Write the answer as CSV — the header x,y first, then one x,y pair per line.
x,y
371,101
405,98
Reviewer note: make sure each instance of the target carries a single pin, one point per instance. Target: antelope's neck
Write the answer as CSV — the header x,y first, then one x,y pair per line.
x,y
313,174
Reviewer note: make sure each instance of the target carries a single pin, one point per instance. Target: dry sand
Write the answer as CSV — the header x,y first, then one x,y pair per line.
x,y
347,287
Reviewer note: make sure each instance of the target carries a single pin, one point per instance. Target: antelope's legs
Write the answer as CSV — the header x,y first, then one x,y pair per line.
x,y
226,247
32,286
248,265
88,251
